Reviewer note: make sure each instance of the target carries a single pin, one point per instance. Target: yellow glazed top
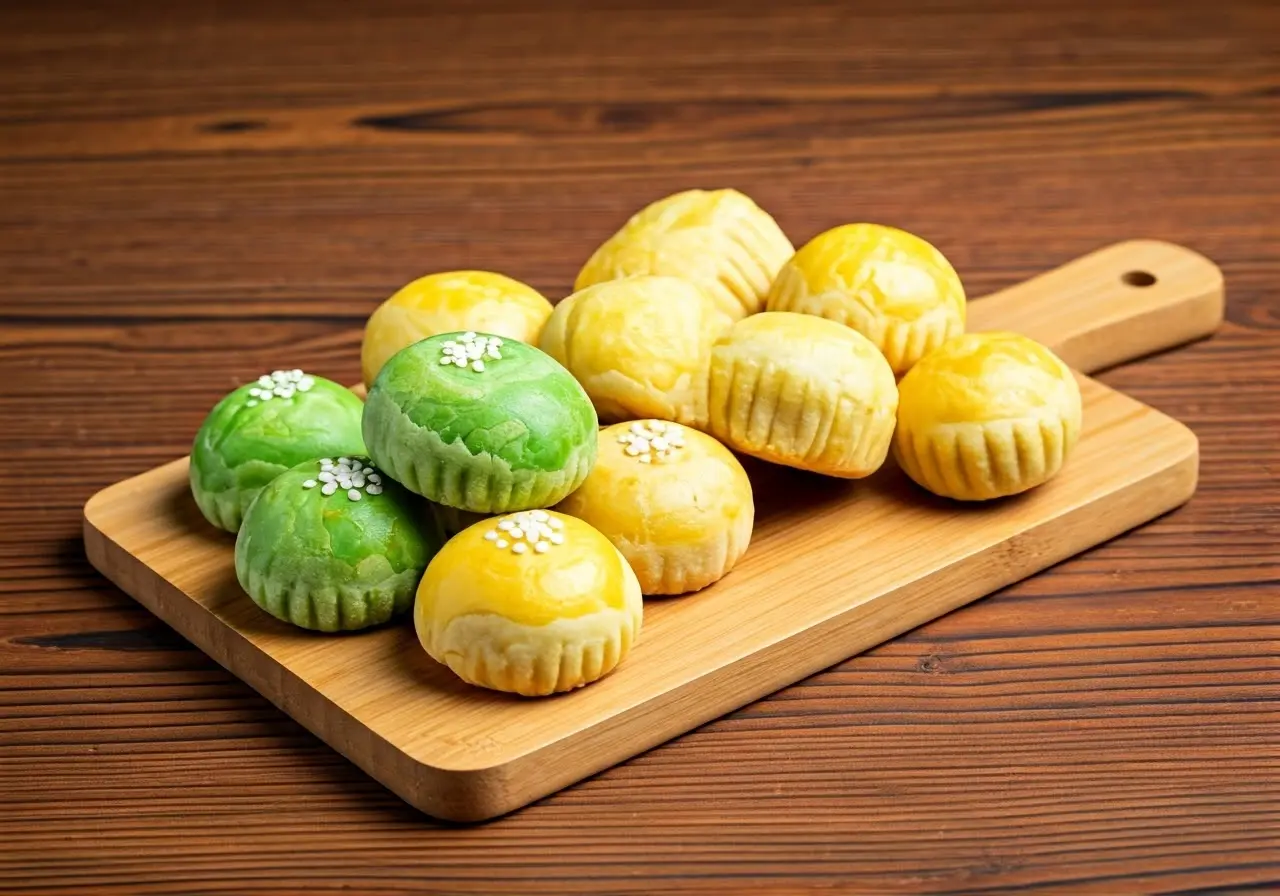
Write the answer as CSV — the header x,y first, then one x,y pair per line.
x,y
640,346
656,483
885,270
817,347
497,567
449,302
719,239
985,377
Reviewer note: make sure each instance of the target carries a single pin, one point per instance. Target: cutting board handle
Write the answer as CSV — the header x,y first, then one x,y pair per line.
x,y
1113,305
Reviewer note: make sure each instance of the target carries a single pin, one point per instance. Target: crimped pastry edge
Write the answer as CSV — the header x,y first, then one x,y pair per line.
x,y
986,460
679,569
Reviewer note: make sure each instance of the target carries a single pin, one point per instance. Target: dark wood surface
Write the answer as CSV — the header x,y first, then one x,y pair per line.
x,y
190,195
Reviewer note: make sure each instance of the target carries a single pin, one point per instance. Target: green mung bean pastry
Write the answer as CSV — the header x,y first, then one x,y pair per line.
x,y
264,428
333,545
480,423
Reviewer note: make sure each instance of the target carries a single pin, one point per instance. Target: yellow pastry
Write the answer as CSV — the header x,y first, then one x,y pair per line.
x,y
532,603
455,301
639,346
892,287
986,415
675,502
802,391
719,239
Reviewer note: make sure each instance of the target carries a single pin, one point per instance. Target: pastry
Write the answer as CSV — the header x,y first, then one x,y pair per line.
x,y
890,286
986,415
532,603
802,391
639,346
718,239
451,302
675,502
480,423
262,429
333,545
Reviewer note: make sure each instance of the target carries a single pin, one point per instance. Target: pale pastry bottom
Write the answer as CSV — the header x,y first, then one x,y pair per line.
x,y
981,461
679,569
491,651
765,410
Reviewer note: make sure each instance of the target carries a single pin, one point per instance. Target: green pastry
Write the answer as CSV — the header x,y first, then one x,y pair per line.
x,y
451,520
332,545
480,423
262,429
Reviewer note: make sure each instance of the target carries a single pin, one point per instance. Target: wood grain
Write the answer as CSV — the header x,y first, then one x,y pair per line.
x,y
1109,726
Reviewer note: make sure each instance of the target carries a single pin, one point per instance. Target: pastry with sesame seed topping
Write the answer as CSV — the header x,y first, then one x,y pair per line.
x,y
449,302
262,429
480,423
675,502
533,603
329,558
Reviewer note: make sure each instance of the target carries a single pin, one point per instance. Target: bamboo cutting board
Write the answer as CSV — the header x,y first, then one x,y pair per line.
x,y
834,568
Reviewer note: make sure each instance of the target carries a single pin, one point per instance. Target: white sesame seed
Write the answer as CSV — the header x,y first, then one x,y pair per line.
x,y
542,547
645,458
541,516
495,341
657,426
328,488
310,483
344,460
557,538
251,403
326,460
449,343
633,449
505,525
519,547
297,374
516,532
638,429
460,362
353,494
661,444
374,489
478,366
556,523
357,481
375,478
501,543
491,535
468,336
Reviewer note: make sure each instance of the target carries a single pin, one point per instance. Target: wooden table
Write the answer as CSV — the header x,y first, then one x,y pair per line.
x,y
191,196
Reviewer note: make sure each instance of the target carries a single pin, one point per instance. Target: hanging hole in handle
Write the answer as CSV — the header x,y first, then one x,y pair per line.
x,y
1138,278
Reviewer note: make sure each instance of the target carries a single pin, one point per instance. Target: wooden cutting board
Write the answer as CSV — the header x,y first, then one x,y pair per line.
x,y
834,568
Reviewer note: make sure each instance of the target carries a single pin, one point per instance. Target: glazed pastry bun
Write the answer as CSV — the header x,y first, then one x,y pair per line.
x,y
986,415
802,391
640,347
890,286
718,239
532,603
674,501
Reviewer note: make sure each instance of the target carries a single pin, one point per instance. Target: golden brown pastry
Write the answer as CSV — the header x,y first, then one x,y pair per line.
x,y
890,286
531,603
454,301
639,346
674,501
718,239
986,415
803,391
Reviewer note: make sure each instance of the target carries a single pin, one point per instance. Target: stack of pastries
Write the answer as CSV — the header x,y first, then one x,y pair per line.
x,y
476,485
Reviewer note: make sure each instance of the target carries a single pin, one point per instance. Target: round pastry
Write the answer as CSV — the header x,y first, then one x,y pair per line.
x,y
718,239
532,603
639,346
480,423
451,302
890,286
986,415
675,502
802,391
333,545
262,429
